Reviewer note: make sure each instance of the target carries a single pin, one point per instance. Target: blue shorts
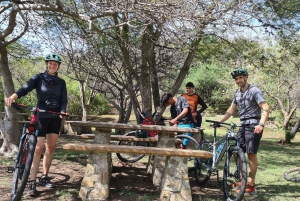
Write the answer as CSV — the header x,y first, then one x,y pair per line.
x,y
185,141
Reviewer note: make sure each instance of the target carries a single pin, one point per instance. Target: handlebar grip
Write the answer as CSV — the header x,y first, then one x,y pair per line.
x,y
58,113
66,114
18,105
211,121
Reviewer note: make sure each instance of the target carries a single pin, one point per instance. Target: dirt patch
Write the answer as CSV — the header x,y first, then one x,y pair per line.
x,y
129,181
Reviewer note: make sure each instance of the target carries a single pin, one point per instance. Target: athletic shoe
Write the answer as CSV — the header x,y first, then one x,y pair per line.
x,y
32,189
45,181
250,190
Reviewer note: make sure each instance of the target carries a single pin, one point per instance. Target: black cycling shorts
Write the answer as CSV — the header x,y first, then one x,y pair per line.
x,y
249,141
49,125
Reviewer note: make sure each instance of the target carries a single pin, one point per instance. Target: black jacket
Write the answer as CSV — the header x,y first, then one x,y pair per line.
x,y
48,88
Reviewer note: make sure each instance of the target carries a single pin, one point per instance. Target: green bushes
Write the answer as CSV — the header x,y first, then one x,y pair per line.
x,y
213,84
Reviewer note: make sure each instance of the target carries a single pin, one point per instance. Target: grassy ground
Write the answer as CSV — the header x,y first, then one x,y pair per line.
x,y
131,182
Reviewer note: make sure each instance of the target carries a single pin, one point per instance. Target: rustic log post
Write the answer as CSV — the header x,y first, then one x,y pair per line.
x,y
164,140
175,181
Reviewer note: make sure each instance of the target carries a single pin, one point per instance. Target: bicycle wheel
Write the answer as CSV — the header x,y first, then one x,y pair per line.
x,y
292,174
22,168
235,170
193,144
130,158
203,166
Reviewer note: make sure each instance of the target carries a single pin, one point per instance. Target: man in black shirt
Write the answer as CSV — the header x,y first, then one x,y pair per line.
x,y
180,113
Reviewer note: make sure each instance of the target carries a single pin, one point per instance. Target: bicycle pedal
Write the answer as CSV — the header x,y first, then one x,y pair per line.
x,y
10,169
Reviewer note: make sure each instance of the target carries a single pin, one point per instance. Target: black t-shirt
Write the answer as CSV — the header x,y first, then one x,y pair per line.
x,y
176,109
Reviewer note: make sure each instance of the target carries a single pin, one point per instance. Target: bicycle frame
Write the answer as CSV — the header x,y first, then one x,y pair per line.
x,y
148,121
230,136
227,140
28,129
235,166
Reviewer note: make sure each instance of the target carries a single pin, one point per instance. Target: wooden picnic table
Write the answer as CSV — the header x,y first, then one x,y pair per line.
x,y
170,171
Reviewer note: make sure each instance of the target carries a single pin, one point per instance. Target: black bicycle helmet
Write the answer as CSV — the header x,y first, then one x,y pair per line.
x,y
238,72
53,57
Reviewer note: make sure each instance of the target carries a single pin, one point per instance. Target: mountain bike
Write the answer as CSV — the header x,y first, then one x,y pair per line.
x,y
145,120
26,149
292,174
235,167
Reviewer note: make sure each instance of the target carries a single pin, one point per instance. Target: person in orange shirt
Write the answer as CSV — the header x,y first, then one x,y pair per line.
x,y
194,100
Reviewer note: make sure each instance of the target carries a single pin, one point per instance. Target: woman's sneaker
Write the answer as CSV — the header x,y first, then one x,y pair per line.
x,y
45,181
32,189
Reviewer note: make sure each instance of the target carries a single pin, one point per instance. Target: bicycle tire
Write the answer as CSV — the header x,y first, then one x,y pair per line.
x,y
22,169
130,158
203,166
191,139
292,174
232,174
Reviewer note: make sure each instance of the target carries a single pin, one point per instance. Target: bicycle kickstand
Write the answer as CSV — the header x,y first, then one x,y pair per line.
x,y
218,180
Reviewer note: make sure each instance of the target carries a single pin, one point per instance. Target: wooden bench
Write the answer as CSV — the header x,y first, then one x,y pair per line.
x,y
169,171
153,140
157,151
119,138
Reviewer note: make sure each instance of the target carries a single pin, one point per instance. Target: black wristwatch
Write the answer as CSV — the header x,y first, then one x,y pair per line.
x,y
262,125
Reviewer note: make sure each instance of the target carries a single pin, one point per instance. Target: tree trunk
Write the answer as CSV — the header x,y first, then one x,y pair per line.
x,y
289,135
147,47
9,127
85,108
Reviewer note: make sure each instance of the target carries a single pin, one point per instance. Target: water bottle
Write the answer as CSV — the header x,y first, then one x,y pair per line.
x,y
219,149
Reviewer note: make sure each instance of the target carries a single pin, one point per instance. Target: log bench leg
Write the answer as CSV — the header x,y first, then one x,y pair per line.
x,y
95,184
175,181
160,161
158,169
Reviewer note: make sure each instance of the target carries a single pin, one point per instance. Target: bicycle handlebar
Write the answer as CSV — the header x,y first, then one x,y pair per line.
x,y
20,106
233,125
140,113
218,123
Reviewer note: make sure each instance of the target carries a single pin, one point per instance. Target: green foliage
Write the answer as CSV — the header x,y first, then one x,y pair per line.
x,y
284,9
278,78
99,105
289,136
236,53
211,83
22,70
